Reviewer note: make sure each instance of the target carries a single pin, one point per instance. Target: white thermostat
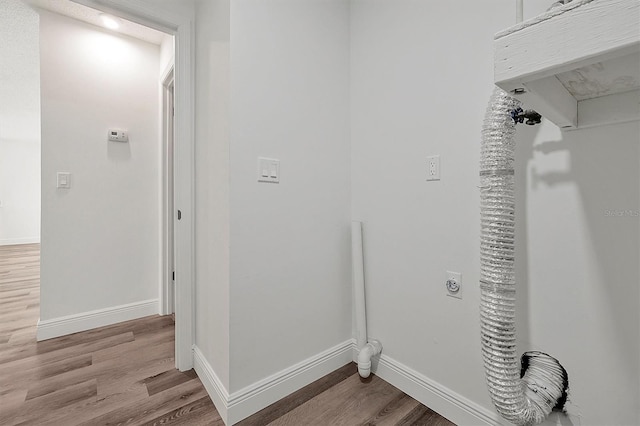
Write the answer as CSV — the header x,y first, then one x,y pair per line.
x,y
116,135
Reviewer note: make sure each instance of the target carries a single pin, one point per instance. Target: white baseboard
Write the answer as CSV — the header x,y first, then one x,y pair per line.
x,y
251,399
241,404
434,395
255,397
69,324
214,386
16,241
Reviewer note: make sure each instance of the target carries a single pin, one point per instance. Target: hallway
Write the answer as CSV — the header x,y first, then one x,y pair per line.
x,y
19,294
117,374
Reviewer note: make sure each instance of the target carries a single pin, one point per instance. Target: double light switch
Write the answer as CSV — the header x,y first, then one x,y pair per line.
x,y
268,170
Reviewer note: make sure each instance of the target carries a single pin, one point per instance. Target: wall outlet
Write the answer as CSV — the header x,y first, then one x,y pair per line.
x,y
453,284
433,167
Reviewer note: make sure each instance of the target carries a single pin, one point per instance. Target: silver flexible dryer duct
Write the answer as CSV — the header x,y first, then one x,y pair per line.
x,y
523,392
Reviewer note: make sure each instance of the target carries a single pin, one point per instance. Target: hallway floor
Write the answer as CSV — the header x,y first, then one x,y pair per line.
x,y
120,374
124,374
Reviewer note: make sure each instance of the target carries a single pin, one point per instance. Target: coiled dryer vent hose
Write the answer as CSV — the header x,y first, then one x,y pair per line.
x,y
523,391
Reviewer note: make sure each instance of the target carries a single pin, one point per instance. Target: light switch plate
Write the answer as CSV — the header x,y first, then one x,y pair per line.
x,y
268,170
63,180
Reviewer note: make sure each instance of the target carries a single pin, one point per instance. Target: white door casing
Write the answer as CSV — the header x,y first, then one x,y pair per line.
x,y
167,289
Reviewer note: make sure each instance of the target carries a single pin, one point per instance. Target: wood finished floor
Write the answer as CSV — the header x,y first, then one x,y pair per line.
x,y
124,374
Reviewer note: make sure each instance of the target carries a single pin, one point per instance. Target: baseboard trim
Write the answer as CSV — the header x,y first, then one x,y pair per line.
x,y
17,241
253,398
69,324
214,386
434,395
247,401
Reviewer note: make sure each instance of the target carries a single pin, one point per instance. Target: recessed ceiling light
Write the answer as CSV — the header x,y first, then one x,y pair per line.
x,y
110,21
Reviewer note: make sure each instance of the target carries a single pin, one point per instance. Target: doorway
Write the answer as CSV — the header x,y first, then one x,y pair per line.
x,y
180,24
178,211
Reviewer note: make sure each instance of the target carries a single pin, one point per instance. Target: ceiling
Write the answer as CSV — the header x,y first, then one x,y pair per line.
x,y
92,16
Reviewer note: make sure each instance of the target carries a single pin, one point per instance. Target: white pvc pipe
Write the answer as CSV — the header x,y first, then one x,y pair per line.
x,y
519,11
370,350
357,277
366,351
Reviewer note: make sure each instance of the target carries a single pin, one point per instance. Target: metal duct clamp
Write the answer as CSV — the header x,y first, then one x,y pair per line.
x,y
518,115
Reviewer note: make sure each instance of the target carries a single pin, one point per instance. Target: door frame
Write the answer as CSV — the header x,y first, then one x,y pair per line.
x,y
167,296
181,25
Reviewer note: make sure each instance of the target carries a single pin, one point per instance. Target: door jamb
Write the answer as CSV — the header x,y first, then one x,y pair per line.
x,y
167,296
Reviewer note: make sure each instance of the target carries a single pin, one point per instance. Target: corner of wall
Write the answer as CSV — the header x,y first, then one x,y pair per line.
x,y
214,386
251,399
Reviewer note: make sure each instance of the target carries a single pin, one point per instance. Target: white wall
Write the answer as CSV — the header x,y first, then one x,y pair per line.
x,y
19,124
100,239
290,269
421,76
212,184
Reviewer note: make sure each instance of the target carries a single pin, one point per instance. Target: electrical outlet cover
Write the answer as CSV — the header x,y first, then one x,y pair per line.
x,y
453,284
433,167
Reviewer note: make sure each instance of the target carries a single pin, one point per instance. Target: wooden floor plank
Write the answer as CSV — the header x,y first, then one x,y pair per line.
x,y
347,403
11,398
150,408
167,379
35,409
393,412
63,366
125,394
25,357
63,380
298,398
196,413
423,416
